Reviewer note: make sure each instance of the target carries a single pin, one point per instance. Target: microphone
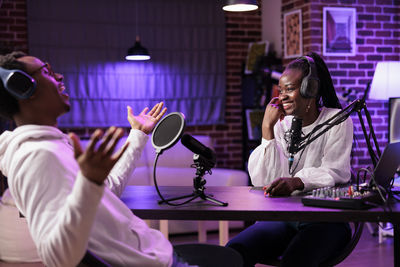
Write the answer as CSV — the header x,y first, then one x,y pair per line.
x,y
295,138
198,148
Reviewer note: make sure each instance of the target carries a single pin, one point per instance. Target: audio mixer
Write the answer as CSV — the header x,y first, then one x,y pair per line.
x,y
342,198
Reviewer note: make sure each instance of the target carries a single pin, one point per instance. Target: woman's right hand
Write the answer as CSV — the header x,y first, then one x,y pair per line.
x,y
273,112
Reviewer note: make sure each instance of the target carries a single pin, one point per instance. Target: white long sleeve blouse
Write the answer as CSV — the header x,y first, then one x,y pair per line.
x,y
324,162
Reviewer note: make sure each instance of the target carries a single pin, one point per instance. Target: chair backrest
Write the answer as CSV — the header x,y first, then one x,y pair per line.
x,y
357,231
341,255
19,264
17,244
89,260
208,255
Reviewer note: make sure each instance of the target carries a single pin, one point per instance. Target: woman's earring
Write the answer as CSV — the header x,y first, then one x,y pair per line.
x,y
308,108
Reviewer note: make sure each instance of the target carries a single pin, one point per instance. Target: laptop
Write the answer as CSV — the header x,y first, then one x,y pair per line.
x,y
387,166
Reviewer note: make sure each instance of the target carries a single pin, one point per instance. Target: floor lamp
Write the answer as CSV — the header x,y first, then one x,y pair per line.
x,y
386,81
386,85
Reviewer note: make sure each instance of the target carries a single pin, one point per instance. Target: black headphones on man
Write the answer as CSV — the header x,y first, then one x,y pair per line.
x,y
310,84
18,83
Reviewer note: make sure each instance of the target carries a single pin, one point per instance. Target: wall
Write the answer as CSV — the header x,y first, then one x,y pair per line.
x,y
377,38
13,28
241,28
272,24
13,35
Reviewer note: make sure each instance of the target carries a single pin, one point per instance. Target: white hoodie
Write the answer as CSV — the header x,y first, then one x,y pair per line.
x,y
66,213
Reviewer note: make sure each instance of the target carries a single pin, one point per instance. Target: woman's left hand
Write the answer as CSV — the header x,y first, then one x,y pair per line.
x,y
146,120
283,186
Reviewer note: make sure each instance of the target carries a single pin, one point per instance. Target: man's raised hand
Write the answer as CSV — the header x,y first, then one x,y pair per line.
x,y
146,120
99,158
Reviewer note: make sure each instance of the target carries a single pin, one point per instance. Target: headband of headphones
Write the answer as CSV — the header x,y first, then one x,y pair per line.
x,y
18,83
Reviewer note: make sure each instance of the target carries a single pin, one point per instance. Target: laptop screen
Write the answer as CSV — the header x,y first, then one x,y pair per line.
x,y
387,165
394,119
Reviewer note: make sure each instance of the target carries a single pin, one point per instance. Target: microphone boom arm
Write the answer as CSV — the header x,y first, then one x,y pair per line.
x,y
356,106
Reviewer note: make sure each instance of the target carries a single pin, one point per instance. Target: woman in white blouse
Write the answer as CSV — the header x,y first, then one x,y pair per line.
x,y
307,93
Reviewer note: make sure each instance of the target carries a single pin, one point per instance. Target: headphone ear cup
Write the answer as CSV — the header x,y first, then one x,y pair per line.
x,y
303,87
18,83
309,87
312,88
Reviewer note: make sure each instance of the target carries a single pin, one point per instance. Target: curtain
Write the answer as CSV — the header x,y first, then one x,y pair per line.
x,y
87,41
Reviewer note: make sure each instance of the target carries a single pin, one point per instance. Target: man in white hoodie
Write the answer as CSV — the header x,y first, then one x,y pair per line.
x,y
70,197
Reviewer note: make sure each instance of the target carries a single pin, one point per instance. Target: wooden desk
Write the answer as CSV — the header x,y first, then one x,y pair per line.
x,y
247,204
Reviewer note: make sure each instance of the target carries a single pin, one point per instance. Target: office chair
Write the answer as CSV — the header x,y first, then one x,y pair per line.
x,y
89,260
204,255
337,258
11,211
207,255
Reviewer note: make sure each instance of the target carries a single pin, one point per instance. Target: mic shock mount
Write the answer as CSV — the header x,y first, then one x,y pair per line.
x,y
203,166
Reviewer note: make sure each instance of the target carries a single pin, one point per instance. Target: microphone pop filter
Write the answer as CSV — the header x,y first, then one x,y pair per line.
x,y
168,131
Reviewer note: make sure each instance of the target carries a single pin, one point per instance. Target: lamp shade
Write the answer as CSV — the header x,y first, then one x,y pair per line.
x,y
137,51
240,5
386,81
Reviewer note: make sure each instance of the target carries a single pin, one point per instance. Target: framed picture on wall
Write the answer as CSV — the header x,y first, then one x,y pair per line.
x,y
254,118
255,51
292,34
339,31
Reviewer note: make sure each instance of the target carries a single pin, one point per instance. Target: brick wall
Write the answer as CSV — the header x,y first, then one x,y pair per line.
x,y
377,38
241,28
13,35
13,27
